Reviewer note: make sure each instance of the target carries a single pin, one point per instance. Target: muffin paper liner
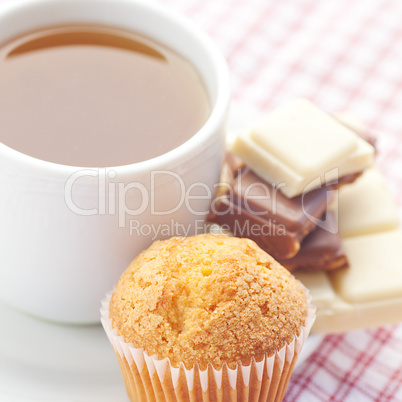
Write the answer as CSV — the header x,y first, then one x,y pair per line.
x,y
148,378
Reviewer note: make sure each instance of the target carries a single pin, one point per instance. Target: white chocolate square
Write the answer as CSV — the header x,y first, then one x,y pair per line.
x,y
351,120
323,296
366,206
304,137
302,146
375,272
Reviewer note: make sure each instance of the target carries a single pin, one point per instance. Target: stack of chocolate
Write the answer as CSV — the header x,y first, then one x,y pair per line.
x,y
280,180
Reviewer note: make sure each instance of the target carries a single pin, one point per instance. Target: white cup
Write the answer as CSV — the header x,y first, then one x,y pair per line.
x,y
63,243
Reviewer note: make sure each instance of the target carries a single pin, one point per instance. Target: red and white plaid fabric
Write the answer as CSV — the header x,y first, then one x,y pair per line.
x,y
343,55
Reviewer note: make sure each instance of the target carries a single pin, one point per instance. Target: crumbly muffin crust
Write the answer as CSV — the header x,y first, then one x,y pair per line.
x,y
207,298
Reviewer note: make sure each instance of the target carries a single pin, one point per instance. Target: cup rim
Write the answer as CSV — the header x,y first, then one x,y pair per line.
x,y
218,110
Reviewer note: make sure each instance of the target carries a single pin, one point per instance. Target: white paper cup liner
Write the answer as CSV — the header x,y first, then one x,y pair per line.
x,y
148,378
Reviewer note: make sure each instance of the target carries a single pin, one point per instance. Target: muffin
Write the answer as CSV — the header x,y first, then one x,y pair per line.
x,y
207,317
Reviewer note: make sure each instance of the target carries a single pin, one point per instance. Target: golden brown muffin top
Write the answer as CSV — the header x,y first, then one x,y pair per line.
x,y
207,298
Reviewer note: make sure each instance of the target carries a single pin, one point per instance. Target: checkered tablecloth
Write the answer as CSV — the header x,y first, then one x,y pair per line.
x,y
343,55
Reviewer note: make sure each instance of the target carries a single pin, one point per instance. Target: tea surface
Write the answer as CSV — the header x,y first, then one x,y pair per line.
x,y
96,96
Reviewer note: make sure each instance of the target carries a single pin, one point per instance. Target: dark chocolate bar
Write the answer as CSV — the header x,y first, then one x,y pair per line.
x,y
321,250
250,207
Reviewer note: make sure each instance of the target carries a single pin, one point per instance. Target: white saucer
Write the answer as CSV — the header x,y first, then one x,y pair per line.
x,y
41,361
